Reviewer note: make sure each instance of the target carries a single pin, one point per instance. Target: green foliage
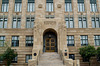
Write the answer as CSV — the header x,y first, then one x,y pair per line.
x,y
87,52
98,51
8,55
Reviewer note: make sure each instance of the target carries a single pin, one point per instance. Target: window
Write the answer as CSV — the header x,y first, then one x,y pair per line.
x,y
82,22
72,56
93,6
2,41
16,22
3,22
68,5
84,40
49,5
31,6
29,40
1,59
97,40
95,22
81,6
69,22
70,40
30,22
15,41
14,60
18,5
5,4
28,57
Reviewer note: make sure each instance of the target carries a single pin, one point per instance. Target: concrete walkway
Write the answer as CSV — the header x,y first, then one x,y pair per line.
x,y
50,59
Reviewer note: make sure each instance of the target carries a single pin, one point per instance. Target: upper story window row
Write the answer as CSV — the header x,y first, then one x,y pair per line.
x,y
49,5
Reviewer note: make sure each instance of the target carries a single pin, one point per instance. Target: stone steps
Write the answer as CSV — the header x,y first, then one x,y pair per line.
x,y
50,59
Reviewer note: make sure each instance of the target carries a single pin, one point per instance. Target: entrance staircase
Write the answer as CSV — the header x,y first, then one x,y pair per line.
x,y
50,59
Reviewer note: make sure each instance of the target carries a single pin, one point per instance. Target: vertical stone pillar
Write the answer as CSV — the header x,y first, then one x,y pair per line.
x,y
77,40
24,10
22,41
0,5
75,10
91,40
8,40
87,6
10,13
98,5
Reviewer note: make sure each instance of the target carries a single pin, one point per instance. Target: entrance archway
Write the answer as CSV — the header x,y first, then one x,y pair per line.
x,y
50,40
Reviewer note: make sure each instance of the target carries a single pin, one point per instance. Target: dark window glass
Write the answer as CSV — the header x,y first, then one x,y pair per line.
x,y
72,56
15,41
68,5
29,40
14,60
29,22
28,57
70,40
81,7
69,22
84,40
93,6
95,22
31,5
5,5
18,5
2,41
97,40
49,5
82,22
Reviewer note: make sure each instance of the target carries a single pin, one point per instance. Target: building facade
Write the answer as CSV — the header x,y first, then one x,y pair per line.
x,y
33,27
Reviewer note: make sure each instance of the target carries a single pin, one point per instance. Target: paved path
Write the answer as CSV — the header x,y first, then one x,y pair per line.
x,y
50,59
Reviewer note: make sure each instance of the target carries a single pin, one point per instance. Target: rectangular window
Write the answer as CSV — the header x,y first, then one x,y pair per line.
x,y
18,5
29,40
49,5
97,40
84,40
69,22
68,5
16,23
29,22
14,60
93,5
95,22
3,22
2,41
70,40
82,22
72,56
81,6
28,57
5,5
15,41
31,6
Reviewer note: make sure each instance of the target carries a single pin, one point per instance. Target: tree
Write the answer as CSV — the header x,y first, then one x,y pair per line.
x,y
8,55
98,54
87,52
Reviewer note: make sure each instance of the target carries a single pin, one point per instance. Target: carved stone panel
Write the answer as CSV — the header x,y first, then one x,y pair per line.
x,y
50,22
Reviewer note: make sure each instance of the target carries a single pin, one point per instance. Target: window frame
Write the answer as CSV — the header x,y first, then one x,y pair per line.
x,y
94,21
16,40
72,57
2,40
30,57
82,40
15,60
31,44
31,22
4,21
72,40
68,3
98,40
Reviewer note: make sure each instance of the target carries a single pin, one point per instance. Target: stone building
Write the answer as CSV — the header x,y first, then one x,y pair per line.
x,y
34,27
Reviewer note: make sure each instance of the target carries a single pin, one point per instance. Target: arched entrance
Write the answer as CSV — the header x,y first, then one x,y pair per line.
x,y
50,41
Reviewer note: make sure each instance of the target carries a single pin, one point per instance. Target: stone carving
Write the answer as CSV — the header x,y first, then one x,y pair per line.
x,y
50,22
59,5
40,6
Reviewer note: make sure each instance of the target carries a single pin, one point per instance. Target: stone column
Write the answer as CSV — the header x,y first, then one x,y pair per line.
x,y
98,5
24,10
87,6
22,41
8,40
0,5
77,40
75,10
10,13
91,40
